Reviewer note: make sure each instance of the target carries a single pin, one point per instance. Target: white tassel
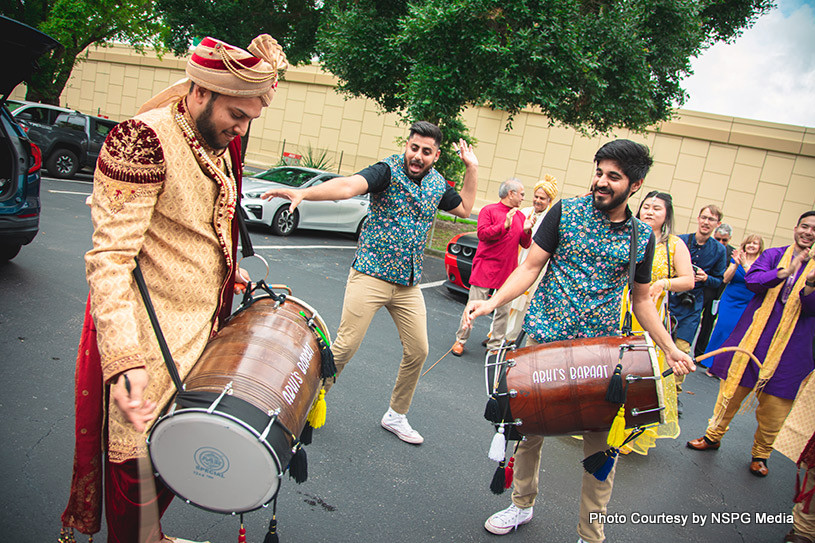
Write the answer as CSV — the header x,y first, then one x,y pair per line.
x,y
499,446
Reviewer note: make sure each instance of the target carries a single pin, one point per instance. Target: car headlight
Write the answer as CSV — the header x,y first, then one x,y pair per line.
x,y
455,248
252,194
467,251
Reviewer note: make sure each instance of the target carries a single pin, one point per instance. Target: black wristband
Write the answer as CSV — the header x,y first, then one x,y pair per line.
x,y
810,284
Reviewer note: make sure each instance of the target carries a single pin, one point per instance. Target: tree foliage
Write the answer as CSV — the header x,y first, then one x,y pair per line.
x,y
590,64
77,24
163,24
293,23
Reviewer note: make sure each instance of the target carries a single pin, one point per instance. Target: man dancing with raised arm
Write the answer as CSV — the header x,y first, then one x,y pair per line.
x,y
777,326
586,242
406,190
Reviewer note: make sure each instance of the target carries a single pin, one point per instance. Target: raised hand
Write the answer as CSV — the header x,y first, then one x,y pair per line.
x,y
465,151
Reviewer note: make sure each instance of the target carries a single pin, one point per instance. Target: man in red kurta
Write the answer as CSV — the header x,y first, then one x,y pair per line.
x,y
501,229
165,191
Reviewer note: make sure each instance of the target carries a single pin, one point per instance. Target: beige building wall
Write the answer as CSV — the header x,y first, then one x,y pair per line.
x,y
761,174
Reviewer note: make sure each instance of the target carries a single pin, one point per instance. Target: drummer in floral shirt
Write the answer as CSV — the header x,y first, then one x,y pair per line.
x,y
586,242
406,190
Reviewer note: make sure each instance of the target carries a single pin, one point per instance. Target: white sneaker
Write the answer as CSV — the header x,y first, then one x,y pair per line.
x,y
398,424
507,520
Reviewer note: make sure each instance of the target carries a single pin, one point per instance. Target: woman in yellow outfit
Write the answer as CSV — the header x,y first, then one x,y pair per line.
x,y
672,272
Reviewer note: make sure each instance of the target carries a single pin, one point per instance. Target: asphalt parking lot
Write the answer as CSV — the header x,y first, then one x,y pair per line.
x,y
364,484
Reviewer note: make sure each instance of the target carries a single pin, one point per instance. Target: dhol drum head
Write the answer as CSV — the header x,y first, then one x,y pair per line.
x,y
225,440
214,461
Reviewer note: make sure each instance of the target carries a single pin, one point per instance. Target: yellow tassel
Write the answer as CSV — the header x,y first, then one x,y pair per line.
x,y
616,435
316,415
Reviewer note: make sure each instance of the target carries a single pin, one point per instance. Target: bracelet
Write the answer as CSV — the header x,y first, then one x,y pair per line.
x,y
667,284
810,284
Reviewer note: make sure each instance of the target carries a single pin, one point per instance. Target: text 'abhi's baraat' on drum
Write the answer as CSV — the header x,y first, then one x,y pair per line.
x,y
595,371
295,378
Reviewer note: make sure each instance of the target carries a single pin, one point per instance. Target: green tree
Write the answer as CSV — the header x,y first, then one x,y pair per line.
x,y
77,24
590,64
293,23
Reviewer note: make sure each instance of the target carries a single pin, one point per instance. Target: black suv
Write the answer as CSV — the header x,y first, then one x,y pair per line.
x,y
20,160
72,143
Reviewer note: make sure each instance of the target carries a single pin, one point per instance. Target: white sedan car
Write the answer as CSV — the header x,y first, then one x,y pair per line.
x,y
334,215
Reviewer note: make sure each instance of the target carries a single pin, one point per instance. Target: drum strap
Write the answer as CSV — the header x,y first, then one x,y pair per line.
x,y
632,265
151,312
246,242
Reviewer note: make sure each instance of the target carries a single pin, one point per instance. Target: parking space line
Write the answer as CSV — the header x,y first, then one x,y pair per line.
x,y
69,192
304,246
433,284
89,182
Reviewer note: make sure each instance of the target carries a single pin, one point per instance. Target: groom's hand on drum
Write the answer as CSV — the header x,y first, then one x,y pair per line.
x,y
128,393
241,281
679,361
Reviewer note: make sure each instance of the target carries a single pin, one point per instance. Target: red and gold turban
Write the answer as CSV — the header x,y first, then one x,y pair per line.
x,y
229,70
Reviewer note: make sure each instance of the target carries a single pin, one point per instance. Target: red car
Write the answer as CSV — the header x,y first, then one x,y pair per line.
x,y
458,262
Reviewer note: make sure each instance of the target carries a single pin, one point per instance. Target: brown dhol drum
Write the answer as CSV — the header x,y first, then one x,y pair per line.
x,y
225,441
559,388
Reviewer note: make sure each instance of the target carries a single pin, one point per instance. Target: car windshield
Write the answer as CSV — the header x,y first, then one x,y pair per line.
x,y
293,177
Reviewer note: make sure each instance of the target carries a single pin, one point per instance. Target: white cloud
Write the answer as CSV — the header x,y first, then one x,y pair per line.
x,y
767,74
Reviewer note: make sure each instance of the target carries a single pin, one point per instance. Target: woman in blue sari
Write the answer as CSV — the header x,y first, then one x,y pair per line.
x,y
736,295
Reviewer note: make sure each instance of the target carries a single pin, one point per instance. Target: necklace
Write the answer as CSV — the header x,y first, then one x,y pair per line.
x,y
228,197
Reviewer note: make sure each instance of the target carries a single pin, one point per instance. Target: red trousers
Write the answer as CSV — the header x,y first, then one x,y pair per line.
x,y
135,500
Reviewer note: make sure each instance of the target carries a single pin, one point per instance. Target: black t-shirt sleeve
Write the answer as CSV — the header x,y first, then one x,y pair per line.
x,y
378,177
450,199
548,238
548,233
642,272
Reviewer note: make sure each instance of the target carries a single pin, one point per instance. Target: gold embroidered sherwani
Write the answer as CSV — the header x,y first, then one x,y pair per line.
x,y
155,197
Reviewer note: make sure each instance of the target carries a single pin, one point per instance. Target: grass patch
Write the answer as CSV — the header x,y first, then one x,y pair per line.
x,y
446,228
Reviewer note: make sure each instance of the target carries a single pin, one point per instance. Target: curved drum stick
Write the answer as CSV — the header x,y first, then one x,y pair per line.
x,y
669,371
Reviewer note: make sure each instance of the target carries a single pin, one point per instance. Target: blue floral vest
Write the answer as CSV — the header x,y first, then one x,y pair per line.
x,y
581,292
392,242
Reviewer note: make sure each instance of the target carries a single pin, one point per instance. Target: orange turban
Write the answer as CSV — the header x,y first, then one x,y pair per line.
x,y
549,186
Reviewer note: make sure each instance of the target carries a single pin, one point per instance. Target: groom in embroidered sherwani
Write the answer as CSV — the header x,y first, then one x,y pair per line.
x,y
165,191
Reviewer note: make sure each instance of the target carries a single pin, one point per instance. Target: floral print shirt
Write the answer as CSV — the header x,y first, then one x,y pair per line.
x,y
392,242
580,294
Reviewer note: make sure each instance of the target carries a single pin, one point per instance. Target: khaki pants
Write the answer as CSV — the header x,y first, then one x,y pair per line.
x,y
500,318
683,346
770,415
364,295
804,523
594,494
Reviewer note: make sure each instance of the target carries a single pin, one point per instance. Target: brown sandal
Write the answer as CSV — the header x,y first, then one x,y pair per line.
x,y
792,537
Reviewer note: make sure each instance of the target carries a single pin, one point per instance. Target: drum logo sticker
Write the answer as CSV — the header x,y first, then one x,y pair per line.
x,y
210,463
